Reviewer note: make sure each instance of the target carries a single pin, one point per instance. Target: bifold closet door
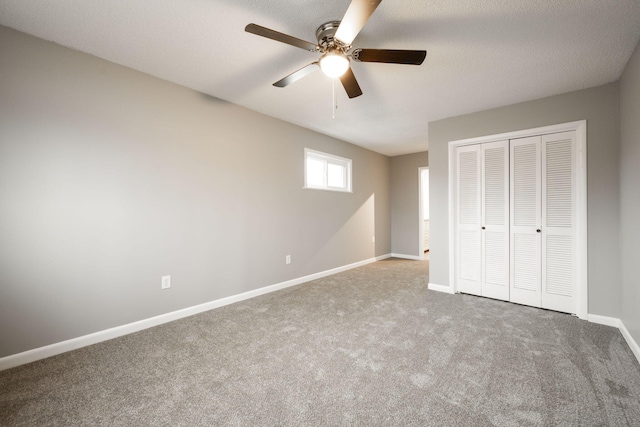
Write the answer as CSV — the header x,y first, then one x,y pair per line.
x,y
468,216
543,221
525,218
559,222
495,220
482,239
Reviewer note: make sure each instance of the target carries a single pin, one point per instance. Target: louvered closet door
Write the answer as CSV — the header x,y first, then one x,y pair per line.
x,y
468,232
525,218
558,222
495,220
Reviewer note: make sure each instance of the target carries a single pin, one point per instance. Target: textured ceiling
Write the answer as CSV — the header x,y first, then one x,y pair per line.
x,y
481,54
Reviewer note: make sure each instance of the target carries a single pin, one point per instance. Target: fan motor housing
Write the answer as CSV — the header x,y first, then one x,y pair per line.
x,y
325,33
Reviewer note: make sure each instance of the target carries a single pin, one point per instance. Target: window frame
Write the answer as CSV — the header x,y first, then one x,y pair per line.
x,y
327,159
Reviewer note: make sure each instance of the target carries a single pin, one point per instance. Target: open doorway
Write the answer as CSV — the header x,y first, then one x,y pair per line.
x,y
424,209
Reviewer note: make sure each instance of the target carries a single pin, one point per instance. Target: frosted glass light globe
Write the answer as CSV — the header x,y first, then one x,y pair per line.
x,y
334,64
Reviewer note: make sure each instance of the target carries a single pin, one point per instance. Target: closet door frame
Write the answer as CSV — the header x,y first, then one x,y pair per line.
x,y
580,127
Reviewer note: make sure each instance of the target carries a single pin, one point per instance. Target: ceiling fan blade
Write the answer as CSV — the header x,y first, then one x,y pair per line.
x,y
297,75
350,84
281,37
357,15
390,56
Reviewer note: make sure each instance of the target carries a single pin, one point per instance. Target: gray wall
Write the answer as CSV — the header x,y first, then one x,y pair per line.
x,y
599,106
110,178
405,203
630,193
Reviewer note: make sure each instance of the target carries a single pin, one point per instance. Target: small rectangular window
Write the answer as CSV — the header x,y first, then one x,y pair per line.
x,y
324,171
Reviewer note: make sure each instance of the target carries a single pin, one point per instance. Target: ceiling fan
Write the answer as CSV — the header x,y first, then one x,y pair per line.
x,y
334,45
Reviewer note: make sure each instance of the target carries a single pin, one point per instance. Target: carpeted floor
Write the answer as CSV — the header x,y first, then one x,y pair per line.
x,y
369,347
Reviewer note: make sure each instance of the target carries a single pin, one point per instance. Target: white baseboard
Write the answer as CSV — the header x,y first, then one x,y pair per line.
x,y
440,288
617,323
604,320
94,338
118,331
632,343
413,257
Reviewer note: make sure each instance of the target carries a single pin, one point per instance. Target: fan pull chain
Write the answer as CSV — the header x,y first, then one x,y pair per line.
x,y
334,104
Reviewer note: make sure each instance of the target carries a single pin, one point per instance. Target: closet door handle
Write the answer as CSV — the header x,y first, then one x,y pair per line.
x,y
538,231
483,227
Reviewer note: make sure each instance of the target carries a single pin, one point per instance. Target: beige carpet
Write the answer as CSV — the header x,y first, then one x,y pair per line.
x,y
371,346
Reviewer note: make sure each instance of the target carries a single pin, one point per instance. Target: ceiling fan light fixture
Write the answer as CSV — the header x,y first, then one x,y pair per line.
x,y
334,64
334,45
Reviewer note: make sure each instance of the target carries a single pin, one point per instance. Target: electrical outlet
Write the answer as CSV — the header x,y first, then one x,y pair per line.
x,y
287,259
373,239
166,282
